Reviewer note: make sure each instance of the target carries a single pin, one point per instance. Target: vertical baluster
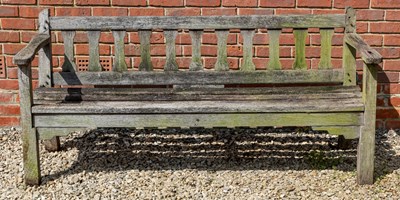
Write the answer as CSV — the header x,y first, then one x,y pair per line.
x,y
196,64
69,62
119,46
349,53
274,62
170,37
45,65
300,36
247,64
326,49
222,56
145,64
94,57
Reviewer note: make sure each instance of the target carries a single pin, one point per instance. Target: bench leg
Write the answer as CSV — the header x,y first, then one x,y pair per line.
x,y
30,149
53,144
365,156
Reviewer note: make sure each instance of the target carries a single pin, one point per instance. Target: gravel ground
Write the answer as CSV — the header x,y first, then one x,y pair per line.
x,y
200,164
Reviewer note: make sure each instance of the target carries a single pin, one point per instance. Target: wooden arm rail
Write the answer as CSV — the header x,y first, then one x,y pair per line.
x,y
368,54
24,56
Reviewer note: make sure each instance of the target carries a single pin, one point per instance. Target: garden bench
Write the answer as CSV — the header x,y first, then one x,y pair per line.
x,y
324,98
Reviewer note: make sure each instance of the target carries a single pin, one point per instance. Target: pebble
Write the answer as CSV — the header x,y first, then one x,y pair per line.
x,y
198,164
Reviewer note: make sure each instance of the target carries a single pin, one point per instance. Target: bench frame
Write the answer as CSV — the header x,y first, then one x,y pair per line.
x,y
41,44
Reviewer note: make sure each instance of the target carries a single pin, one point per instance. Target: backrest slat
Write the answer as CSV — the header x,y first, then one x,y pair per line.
x,y
197,22
145,63
326,49
69,60
300,37
94,57
222,55
45,64
247,64
274,62
196,64
119,57
170,37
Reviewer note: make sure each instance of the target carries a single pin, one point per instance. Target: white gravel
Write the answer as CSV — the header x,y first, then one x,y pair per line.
x,y
200,164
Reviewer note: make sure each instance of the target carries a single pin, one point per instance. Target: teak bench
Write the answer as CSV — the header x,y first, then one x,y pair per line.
x,y
326,98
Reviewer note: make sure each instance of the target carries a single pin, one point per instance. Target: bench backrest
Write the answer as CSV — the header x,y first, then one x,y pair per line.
x,y
196,74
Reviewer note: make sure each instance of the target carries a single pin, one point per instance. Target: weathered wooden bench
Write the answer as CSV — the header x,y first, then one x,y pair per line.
x,y
326,98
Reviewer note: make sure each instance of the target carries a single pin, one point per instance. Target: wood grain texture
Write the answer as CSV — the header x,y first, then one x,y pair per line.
x,y
69,60
247,64
170,63
196,64
94,56
198,77
145,63
30,146
197,22
368,54
300,37
366,144
274,61
326,49
222,55
199,120
45,54
349,52
25,56
119,46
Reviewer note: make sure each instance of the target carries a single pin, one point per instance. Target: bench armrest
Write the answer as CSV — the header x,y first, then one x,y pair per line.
x,y
368,54
25,56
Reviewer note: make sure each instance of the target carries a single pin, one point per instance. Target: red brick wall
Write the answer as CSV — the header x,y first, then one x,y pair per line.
x,y
378,23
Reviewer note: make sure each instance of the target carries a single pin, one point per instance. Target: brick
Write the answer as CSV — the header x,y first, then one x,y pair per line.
x,y
292,11
388,77
326,11
146,12
391,88
391,40
13,48
337,39
9,109
166,3
362,27
385,27
183,39
57,49
389,52
373,40
239,3
385,113
8,84
110,11
392,124
18,24
9,121
209,63
277,4
8,11
385,4
33,12
255,11
394,101
92,2
73,12
6,97
314,4
22,2
182,11
263,52
351,3
56,2
203,3
129,3
370,15
211,38
9,36
392,15
83,49
391,65
219,11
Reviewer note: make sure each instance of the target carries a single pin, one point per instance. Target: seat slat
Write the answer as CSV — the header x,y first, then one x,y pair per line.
x,y
54,95
209,77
